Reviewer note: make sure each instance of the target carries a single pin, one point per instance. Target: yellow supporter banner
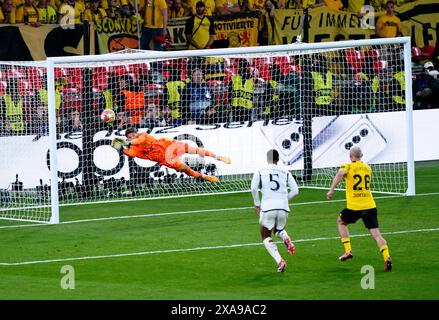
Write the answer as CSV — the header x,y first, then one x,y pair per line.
x,y
22,42
241,29
176,33
116,35
419,19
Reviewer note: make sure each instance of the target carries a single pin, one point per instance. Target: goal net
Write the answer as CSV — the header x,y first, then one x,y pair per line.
x,y
311,102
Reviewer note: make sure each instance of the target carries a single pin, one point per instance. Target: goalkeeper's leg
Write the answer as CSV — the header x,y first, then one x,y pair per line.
x,y
205,153
182,167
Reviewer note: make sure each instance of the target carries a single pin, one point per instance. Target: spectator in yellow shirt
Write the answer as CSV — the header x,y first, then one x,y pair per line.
x,y
95,12
155,25
256,5
116,10
355,6
388,25
199,29
177,10
17,3
123,5
209,10
7,12
27,13
46,13
335,5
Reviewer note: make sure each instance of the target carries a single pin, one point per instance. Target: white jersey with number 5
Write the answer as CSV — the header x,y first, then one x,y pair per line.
x,y
273,183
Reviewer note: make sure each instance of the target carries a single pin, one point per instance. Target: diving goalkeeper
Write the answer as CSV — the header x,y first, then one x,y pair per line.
x,y
164,151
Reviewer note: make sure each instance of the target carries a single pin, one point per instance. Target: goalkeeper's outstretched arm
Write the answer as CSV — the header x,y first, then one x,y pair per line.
x,y
119,143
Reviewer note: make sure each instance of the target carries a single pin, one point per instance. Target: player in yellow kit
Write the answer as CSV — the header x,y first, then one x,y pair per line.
x,y
359,204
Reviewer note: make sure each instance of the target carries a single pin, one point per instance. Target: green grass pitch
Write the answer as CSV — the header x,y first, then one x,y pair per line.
x,y
209,248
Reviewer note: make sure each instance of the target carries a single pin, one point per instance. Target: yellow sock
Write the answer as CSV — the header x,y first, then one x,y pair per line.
x,y
385,251
347,244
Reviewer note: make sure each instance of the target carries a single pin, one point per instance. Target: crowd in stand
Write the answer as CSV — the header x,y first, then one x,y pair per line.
x,y
37,12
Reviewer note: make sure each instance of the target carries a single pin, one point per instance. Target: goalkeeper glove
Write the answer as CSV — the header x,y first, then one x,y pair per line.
x,y
119,143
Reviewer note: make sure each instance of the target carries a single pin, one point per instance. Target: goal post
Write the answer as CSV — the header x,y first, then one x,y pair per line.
x,y
310,101
409,119
53,159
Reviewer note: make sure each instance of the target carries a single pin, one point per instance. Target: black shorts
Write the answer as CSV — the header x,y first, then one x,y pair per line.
x,y
369,216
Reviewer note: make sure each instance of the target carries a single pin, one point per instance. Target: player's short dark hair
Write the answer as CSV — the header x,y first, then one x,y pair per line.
x,y
130,130
273,156
200,4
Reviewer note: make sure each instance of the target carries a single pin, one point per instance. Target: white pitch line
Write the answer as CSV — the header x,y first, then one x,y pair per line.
x,y
195,211
199,248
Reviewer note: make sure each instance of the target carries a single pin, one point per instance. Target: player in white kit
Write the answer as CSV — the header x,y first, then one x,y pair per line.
x,y
273,209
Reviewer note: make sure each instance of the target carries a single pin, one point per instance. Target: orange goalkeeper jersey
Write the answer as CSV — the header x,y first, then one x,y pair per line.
x,y
164,151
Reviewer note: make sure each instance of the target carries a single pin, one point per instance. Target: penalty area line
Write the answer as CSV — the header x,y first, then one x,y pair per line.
x,y
142,253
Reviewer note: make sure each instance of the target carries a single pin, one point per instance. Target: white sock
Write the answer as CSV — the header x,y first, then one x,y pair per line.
x,y
272,249
283,235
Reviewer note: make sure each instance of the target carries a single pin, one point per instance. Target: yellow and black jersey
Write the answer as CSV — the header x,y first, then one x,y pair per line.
x,y
17,3
172,13
200,30
105,6
26,14
358,176
335,5
389,26
153,16
92,16
209,6
258,4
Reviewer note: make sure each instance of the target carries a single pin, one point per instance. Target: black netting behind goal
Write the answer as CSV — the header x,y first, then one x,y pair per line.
x,y
312,106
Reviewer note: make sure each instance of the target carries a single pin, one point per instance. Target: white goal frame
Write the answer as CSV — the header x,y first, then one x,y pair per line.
x,y
138,56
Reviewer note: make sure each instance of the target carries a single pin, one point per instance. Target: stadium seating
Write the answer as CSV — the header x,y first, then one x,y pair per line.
x,y
354,59
379,66
262,67
286,64
428,51
416,54
3,85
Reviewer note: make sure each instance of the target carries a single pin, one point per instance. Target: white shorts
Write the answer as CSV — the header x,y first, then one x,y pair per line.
x,y
273,218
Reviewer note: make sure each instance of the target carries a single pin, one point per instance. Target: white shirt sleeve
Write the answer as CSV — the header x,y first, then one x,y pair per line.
x,y
255,188
292,184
